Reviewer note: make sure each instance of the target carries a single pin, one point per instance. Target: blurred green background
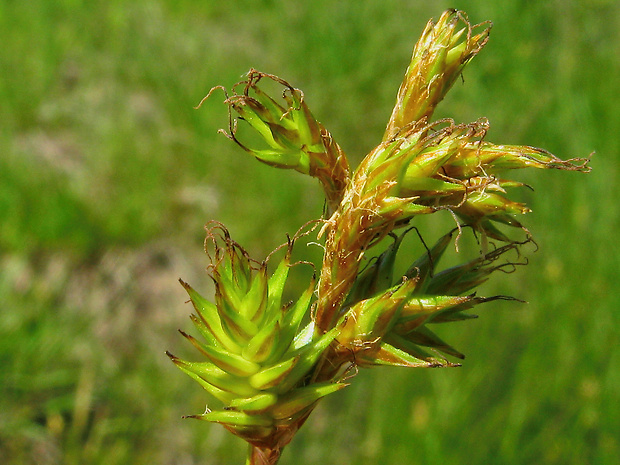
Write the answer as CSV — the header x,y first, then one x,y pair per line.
x,y
107,175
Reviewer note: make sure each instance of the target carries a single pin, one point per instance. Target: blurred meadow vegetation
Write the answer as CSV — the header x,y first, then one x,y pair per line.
x,y
108,173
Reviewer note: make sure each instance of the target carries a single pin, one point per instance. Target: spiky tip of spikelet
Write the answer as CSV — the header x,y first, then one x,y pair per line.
x,y
438,59
256,356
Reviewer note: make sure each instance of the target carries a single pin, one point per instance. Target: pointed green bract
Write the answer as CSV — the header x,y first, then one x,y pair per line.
x,y
263,344
273,375
276,284
291,321
254,405
308,357
231,363
252,307
209,322
388,354
231,417
302,398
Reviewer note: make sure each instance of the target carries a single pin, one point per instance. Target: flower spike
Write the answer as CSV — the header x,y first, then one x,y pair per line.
x,y
262,359
254,366
438,60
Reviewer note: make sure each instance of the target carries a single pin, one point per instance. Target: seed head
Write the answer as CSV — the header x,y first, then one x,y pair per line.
x,y
256,355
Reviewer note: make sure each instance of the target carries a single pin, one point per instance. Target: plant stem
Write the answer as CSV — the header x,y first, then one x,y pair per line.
x,y
263,456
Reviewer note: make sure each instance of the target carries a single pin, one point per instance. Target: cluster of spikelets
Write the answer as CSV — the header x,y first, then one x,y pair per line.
x,y
257,352
387,322
267,367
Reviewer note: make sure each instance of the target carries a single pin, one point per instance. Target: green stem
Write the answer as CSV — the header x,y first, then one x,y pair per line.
x,y
262,456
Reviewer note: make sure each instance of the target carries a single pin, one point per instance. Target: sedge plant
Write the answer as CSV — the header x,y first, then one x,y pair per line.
x,y
268,362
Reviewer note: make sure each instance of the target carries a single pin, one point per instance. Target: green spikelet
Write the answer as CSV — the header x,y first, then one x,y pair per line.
x,y
294,138
391,327
256,356
438,59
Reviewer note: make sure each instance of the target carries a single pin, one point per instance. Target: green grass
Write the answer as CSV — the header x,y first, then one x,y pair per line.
x,y
107,175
